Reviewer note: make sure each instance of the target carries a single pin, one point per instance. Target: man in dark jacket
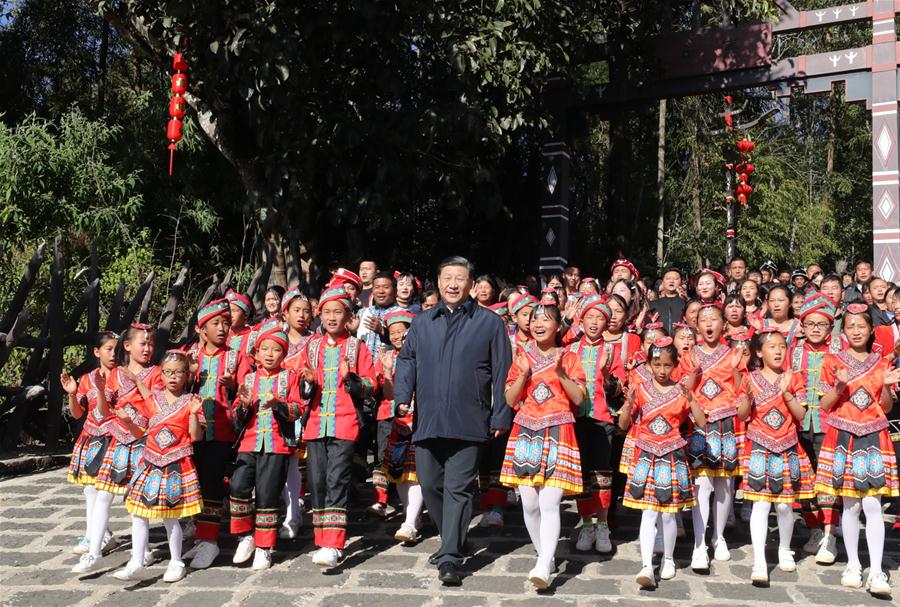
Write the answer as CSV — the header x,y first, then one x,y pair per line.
x,y
454,364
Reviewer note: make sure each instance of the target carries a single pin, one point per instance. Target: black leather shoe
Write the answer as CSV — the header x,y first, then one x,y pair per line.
x,y
449,575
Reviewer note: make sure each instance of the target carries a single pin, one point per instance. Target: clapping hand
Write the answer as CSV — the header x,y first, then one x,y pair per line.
x,y
244,396
68,383
523,364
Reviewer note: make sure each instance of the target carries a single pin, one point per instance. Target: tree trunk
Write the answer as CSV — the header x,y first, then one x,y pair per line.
x,y
661,185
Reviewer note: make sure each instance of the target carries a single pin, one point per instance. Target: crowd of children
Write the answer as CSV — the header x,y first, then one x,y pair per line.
x,y
660,396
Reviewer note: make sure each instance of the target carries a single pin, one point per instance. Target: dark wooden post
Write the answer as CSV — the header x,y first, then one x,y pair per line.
x,y
555,188
730,217
55,355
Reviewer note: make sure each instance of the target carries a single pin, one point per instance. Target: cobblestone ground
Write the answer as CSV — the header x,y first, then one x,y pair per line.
x,y
41,517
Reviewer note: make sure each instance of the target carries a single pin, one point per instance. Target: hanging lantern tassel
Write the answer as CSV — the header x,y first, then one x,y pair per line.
x,y
177,105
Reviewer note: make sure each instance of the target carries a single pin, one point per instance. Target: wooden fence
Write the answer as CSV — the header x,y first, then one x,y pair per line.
x,y
23,414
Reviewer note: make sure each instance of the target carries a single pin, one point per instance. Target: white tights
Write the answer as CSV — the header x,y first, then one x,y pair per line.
x,y
540,505
669,528
411,496
99,520
703,489
291,493
871,506
90,496
759,529
140,538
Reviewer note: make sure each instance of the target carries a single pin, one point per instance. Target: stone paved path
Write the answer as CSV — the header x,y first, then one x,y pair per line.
x,y
41,516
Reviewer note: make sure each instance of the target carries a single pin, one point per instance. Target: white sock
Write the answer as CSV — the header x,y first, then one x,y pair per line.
x,y
549,498
176,537
140,538
90,498
850,525
759,529
100,520
703,489
648,536
785,516
670,532
723,495
413,502
531,510
871,505
291,493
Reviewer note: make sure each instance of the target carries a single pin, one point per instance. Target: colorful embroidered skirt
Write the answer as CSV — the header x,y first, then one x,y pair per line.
x,y
120,464
170,491
399,460
659,482
543,458
628,449
857,466
776,477
87,457
714,449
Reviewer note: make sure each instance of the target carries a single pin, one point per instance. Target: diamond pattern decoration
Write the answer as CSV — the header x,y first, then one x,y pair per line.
x,y
659,426
165,438
886,205
884,143
861,399
552,180
710,389
541,393
887,270
774,419
551,236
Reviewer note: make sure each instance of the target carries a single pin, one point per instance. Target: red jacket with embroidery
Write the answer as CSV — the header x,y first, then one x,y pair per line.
x,y
269,430
125,394
217,399
168,431
86,394
332,412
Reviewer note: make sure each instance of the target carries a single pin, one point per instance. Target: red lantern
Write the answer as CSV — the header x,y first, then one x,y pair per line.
x,y
749,168
742,198
179,63
173,131
177,107
179,84
750,145
743,177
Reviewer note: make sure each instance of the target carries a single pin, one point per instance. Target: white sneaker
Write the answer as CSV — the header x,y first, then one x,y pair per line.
x,y
262,559
244,551
759,574
814,542
130,572
192,551
326,557
289,530
786,561
149,558
827,553
88,563
852,577
189,529
205,555
667,569
645,578
539,577
175,572
586,538
83,546
110,543
658,546
491,518
407,533
721,552
700,559
603,544
378,509
877,584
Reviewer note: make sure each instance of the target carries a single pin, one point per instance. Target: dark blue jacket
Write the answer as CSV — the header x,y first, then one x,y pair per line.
x,y
456,365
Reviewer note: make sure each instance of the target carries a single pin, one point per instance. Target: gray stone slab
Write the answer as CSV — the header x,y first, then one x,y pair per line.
x,y
8,540
216,577
292,578
15,558
565,586
341,599
748,592
388,562
32,513
201,598
275,599
394,580
541,601
829,595
45,598
127,597
501,584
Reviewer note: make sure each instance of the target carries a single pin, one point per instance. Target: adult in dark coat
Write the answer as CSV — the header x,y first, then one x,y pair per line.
x,y
454,364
